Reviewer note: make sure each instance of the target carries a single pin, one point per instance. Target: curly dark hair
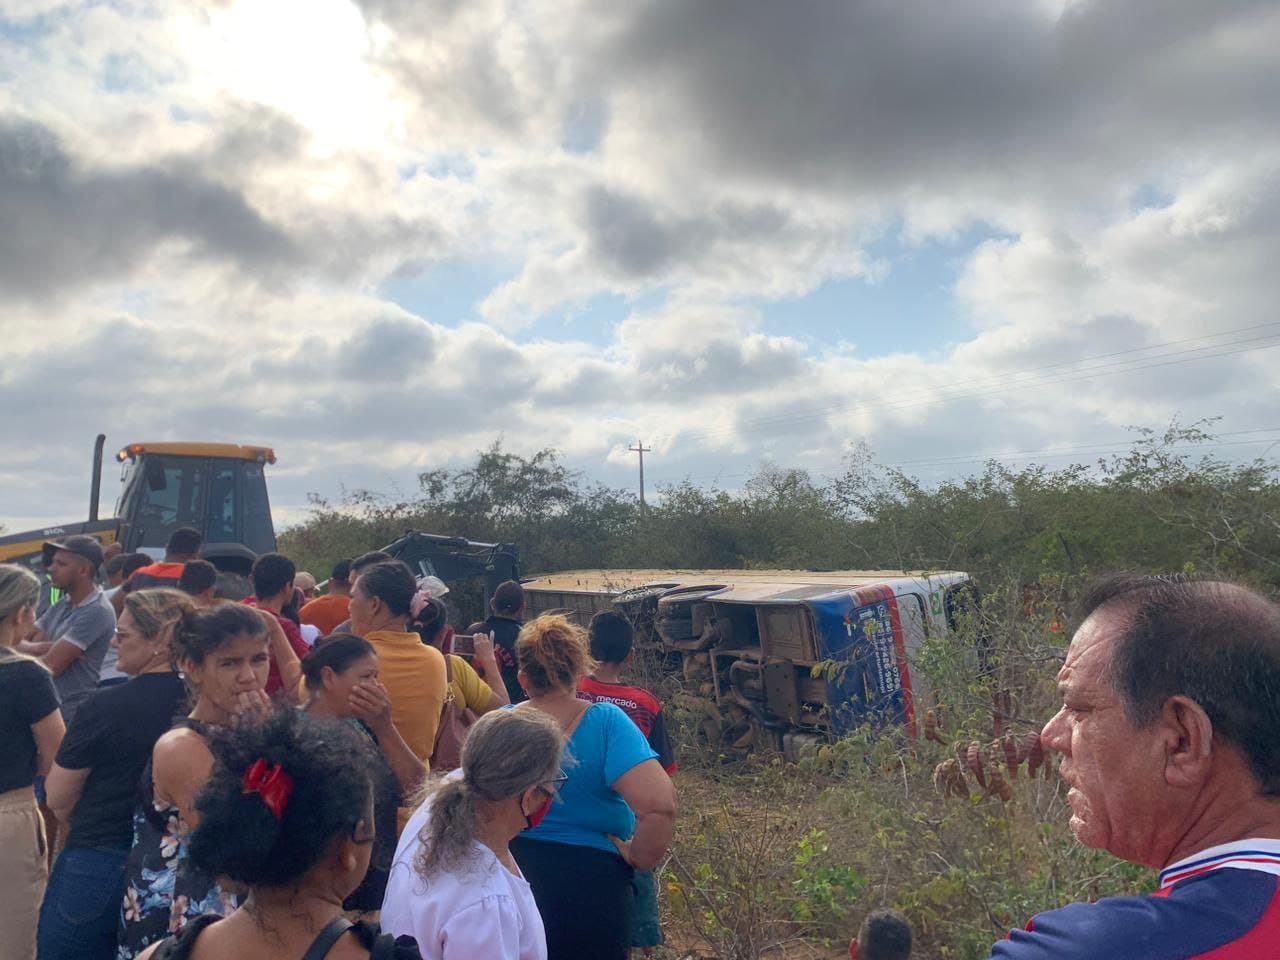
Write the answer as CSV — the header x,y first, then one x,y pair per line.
x,y
885,935
333,774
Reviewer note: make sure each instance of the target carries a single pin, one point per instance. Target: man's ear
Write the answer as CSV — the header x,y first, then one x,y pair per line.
x,y
1188,734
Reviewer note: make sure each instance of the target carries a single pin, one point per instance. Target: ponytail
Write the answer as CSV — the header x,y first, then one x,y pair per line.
x,y
505,753
447,837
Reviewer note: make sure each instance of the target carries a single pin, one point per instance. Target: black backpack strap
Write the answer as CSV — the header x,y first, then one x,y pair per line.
x,y
179,947
323,943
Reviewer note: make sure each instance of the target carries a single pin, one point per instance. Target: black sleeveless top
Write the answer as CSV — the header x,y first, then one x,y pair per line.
x,y
381,946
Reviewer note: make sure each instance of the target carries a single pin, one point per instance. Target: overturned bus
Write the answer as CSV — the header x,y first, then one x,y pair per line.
x,y
775,659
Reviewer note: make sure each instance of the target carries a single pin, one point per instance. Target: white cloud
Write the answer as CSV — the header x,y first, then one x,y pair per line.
x,y
211,195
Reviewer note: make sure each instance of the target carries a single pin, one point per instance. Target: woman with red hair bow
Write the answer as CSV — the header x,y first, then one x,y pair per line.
x,y
288,817
224,654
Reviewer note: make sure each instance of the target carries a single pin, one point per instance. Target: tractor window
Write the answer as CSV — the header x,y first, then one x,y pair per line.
x,y
259,535
171,493
222,504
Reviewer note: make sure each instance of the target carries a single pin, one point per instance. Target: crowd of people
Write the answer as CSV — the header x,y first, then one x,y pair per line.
x,y
214,769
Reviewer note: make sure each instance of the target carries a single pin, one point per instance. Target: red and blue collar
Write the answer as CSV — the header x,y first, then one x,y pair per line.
x,y
1262,855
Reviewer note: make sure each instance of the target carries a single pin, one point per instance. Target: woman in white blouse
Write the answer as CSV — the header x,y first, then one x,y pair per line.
x,y
454,885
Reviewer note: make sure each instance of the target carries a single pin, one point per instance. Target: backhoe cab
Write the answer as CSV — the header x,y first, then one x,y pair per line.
x,y
219,489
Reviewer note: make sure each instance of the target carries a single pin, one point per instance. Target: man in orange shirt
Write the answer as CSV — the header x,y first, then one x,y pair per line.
x,y
327,612
183,545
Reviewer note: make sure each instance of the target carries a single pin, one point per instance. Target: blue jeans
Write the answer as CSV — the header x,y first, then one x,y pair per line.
x,y
80,915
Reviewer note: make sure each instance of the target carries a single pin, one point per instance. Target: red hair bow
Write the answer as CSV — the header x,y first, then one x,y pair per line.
x,y
270,783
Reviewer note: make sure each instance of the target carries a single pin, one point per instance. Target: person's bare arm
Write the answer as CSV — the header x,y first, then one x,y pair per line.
x,y
371,704
36,644
490,672
48,734
61,655
180,765
285,656
651,796
63,789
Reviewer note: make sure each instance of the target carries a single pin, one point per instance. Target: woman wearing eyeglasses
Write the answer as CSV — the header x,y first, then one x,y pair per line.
x,y
615,813
454,885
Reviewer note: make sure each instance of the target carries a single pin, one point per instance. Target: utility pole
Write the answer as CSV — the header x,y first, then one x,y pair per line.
x,y
641,449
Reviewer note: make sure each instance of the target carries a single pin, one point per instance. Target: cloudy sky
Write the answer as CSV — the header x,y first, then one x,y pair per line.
x,y
378,235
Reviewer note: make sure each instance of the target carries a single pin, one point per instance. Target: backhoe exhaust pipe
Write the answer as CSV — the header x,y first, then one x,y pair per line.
x,y
95,487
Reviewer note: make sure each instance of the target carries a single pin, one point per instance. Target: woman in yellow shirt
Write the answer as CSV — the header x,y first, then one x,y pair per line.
x,y
413,673
470,691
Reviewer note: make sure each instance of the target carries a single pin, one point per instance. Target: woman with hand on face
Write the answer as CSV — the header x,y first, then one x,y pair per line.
x,y
93,786
30,731
287,816
455,886
342,680
223,652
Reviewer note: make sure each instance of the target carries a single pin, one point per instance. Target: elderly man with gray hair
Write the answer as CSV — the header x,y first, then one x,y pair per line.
x,y
1170,737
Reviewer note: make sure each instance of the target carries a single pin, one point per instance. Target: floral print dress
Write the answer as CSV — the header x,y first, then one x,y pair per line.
x,y
163,889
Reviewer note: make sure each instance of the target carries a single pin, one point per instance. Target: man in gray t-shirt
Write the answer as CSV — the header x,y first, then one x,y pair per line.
x,y
73,635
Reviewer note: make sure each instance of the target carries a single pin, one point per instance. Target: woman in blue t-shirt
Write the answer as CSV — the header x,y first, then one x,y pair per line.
x,y
615,811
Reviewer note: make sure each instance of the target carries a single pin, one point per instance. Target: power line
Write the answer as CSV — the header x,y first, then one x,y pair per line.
x,y
1001,383
1048,454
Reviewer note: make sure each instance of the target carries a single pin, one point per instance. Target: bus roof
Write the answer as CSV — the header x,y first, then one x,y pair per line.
x,y
615,581
226,451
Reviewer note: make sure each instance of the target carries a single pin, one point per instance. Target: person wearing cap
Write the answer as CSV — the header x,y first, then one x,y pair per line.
x,y
305,582
72,637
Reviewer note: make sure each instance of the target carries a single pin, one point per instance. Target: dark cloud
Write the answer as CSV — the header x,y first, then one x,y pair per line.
x,y
75,224
67,225
253,134
636,238
389,349
910,93
628,235
591,383
475,86
408,13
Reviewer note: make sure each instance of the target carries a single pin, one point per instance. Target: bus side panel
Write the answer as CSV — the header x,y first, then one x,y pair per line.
x,y
866,639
